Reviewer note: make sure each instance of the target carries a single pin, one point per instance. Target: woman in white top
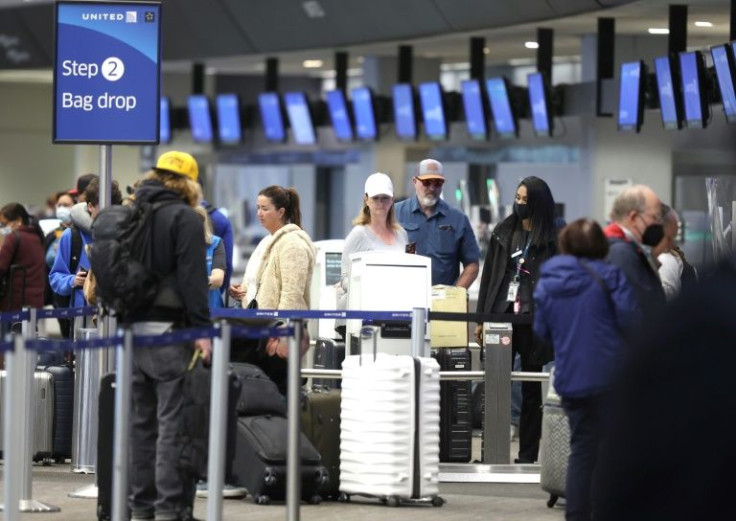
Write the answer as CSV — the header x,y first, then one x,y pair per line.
x,y
376,228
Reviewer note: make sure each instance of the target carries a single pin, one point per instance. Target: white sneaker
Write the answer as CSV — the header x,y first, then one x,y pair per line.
x,y
514,433
228,491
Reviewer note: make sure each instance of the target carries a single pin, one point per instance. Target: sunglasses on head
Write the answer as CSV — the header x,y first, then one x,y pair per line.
x,y
432,182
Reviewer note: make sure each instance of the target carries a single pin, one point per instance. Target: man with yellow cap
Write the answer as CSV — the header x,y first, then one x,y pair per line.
x,y
160,488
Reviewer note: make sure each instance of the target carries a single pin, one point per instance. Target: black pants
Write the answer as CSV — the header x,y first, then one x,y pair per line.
x,y
530,422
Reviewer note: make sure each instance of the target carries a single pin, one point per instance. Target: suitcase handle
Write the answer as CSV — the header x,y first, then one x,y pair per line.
x,y
368,332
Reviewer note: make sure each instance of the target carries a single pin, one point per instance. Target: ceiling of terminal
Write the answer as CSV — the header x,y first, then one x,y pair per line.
x,y
227,38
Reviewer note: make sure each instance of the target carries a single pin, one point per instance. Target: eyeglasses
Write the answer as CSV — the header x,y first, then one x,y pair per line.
x,y
435,183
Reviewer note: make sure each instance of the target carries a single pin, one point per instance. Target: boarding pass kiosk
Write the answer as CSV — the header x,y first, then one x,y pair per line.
x,y
388,281
323,288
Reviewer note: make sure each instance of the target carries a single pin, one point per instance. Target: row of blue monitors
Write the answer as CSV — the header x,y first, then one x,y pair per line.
x,y
361,122
682,89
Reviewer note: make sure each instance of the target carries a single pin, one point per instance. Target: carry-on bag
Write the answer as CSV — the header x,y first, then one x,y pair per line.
x,y
456,430
63,378
44,411
105,435
390,426
555,446
321,425
260,460
328,354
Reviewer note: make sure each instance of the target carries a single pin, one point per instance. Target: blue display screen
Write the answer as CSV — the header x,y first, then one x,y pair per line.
x,y
299,118
228,118
365,117
430,95
503,117
724,72
200,121
164,132
338,109
666,88
691,89
475,116
538,102
404,117
271,117
628,101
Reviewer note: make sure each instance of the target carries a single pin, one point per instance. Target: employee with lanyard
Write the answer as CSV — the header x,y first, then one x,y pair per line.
x,y
519,245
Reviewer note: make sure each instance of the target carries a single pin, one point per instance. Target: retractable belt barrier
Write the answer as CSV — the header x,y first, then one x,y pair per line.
x,y
222,334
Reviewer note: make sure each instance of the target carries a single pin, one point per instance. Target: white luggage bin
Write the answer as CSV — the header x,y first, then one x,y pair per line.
x,y
388,281
322,290
390,428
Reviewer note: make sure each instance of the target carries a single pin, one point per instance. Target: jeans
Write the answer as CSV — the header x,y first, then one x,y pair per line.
x,y
158,484
587,418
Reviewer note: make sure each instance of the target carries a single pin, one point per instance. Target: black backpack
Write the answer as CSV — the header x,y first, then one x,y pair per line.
x,y
120,256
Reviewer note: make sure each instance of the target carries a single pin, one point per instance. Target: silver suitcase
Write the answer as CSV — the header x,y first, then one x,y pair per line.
x,y
44,412
555,446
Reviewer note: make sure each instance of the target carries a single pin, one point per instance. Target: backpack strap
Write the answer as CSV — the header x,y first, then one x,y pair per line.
x,y
75,252
211,208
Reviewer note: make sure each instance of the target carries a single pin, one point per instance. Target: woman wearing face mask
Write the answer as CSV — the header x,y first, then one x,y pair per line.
x,y
518,247
22,246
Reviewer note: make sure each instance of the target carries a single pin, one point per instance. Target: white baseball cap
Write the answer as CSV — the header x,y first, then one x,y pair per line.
x,y
430,169
379,184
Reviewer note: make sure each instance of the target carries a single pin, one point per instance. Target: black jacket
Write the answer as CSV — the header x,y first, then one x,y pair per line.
x,y
497,258
179,259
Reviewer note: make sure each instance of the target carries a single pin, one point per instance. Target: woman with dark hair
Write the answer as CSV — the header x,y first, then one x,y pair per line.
x,y
22,258
582,306
518,246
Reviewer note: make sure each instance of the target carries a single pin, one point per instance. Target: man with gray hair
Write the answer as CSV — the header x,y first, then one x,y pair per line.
x,y
635,230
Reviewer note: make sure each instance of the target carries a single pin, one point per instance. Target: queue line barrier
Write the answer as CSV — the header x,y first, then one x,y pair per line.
x,y
27,344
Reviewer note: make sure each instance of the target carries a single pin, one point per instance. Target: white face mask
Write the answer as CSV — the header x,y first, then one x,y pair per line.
x,y
64,214
6,230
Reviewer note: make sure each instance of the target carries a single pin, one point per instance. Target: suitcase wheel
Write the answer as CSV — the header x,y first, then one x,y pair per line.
x,y
269,477
392,501
343,497
262,500
315,500
552,501
437,501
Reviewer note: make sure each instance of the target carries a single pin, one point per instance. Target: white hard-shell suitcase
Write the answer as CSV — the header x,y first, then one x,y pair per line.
x,y
555,446
44,412
390,427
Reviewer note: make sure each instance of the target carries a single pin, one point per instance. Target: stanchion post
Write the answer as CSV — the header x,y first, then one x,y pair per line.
x,y
293,457
30,398
218,422
497,416
122,424
12,406
418,330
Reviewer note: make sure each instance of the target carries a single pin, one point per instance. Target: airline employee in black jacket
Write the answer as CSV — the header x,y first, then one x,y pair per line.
x,y
518,247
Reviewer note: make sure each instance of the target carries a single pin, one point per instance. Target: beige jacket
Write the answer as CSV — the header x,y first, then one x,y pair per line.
x,y
286,270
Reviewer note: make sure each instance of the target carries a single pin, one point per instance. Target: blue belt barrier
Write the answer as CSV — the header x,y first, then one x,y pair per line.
x,y
306,314
14,316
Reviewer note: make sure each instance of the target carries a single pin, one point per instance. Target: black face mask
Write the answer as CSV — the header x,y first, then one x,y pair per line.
x,y
653,235
522,210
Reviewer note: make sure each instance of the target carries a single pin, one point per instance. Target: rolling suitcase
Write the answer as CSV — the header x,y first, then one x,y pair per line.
x,y
555,446
328,354
105,434
260,460
456,432
321,425
63,377
390,426
44,412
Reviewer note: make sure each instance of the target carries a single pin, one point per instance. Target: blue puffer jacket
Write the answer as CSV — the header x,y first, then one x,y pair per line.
x,y
582,323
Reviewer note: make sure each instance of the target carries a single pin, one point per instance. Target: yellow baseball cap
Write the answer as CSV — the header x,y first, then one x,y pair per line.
x,y
180,163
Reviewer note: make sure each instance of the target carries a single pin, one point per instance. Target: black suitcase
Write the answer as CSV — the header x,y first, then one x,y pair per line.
x,y
321,424
456,432
260,460
328,354
105,435
61,445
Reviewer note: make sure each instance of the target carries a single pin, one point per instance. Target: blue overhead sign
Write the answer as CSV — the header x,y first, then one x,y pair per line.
x,y
107,72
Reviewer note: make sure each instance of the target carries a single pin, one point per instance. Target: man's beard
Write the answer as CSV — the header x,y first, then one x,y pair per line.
x,y
429,200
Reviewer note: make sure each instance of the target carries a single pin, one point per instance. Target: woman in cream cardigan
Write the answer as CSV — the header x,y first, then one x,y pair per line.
x,y
279,272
